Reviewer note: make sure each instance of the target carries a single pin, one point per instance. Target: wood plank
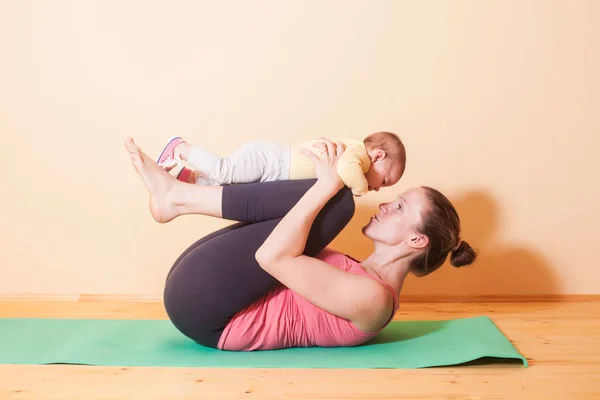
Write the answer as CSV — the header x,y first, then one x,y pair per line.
x,y
561,340
80,382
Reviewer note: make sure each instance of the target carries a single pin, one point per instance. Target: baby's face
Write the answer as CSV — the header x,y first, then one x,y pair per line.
x,y
383,173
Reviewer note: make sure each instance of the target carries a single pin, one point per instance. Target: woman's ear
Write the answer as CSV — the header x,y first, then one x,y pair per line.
x,y
418,241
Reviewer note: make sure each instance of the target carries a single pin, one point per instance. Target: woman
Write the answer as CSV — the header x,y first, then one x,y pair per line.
x,y
269,282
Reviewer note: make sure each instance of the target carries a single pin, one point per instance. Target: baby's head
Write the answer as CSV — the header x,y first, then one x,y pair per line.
x,y
388,159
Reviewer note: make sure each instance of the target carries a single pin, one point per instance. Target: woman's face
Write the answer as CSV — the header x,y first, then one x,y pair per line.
x,y
397,222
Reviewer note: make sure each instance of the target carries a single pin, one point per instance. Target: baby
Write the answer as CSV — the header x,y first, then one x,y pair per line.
x,y
377,161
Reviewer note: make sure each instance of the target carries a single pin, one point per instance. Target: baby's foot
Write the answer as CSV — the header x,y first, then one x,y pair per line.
x,y
157,181
182,151
168,157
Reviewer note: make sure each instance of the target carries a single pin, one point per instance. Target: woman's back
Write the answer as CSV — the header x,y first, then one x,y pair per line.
x,y
284,319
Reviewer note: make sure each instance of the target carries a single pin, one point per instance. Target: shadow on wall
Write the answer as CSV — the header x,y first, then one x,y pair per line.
x,y
500,269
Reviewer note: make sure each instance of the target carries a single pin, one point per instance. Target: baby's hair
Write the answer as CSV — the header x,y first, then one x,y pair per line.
x,y
388,142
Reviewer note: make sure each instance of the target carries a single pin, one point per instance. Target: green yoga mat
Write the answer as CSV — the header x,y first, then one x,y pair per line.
x,y
402,344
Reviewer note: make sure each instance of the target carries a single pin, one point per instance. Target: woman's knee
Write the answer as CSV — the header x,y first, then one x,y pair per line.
x,y
186,299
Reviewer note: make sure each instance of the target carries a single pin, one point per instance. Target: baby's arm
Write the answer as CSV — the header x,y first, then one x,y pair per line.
x,y
350,170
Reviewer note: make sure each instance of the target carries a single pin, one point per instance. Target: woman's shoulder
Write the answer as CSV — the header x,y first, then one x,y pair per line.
x,y
338,259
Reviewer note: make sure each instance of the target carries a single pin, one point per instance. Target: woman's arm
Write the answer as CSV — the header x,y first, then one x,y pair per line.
x,y
289,237
350,296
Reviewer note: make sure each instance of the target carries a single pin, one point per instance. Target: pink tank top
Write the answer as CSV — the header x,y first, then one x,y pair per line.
x,y
284,319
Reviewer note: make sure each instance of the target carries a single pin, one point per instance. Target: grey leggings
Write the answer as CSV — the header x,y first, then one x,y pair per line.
x,y
218,276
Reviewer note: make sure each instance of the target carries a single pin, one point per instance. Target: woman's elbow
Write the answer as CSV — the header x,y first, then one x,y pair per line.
x,y
263,258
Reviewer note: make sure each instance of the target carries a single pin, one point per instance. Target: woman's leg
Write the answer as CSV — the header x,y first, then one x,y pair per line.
x,y
257,202
220,277
273,200
203,240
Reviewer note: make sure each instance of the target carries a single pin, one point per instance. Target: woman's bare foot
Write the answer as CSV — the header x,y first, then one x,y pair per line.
x,y
158,182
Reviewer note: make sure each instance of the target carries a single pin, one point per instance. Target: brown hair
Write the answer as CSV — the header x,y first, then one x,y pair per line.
x,y
441,224
388,142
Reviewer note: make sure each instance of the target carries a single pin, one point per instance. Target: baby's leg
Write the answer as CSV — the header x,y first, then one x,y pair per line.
x,y
254,161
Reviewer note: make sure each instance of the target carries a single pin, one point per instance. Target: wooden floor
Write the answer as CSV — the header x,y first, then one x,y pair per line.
x,y
560,339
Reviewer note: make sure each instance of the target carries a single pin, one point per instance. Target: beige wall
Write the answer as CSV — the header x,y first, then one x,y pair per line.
x,y
498,103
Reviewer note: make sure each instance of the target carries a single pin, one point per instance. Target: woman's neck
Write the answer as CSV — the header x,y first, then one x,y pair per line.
x,y
391,268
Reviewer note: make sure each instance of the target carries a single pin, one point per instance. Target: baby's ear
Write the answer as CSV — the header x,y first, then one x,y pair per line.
x,y
378,155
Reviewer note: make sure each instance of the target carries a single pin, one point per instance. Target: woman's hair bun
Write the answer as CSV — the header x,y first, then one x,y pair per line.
x,y
462,255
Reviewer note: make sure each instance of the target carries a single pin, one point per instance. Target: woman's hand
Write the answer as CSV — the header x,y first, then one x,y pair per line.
x,y
325,165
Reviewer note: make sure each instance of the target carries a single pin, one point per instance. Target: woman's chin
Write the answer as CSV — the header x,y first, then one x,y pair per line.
x,y
366,230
